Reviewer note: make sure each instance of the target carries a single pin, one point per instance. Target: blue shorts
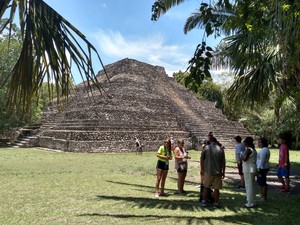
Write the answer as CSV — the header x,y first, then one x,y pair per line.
x,y
162,165
283,172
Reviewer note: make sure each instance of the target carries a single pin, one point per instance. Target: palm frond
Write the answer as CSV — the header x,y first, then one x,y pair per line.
x,y
50,44
255,86
212,18
193,21
162,6
170,3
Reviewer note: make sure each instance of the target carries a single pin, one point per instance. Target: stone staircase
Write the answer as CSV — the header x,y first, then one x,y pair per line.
x,y
142,102
27,137
201,116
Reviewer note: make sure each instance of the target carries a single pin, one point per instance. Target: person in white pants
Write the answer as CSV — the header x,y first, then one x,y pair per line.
x,y
249,170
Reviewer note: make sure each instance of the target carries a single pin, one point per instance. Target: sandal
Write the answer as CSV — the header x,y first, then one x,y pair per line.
x,y
163,194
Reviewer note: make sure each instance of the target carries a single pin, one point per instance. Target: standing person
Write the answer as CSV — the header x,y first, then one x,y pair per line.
x,y
283,169
263,166
209,137
207,142
181,164
164,154
214,171
138,144
249,170
239,152
204,144
209,197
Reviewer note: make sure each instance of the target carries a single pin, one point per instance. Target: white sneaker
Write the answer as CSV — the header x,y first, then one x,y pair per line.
x,y
203,203
156,195
249,206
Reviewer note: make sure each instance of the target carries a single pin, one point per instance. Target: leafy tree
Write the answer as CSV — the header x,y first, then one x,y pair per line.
x,y
10,48
289,122
9,53
206,90
49,46
262,42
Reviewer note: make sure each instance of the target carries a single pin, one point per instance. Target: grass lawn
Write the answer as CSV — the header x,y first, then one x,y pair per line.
x,y
43,187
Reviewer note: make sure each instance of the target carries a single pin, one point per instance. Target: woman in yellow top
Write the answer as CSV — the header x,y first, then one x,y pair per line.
x,y
164,154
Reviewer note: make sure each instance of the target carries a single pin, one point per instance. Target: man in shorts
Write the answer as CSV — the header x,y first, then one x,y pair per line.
x,y
239,152
214,171
283,169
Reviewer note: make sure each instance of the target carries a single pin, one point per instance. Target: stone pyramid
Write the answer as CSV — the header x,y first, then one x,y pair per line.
x,y
142,102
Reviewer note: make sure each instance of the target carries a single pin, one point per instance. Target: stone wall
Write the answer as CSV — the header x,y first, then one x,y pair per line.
x,y
141,101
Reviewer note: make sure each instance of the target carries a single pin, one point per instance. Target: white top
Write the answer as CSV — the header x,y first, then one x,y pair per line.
x,y
249,166
263,157
183,154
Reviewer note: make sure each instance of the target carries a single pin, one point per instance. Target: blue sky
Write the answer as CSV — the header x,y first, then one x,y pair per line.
x,y
123,29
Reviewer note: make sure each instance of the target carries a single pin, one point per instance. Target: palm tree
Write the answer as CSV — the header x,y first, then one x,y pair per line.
x,y
50,44
262,39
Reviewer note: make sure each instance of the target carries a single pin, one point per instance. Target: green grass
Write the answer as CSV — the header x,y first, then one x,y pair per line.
x,y
41,187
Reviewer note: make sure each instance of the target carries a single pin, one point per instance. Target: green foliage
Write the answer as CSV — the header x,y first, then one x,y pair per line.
x,y
261,121
10,48
212,92
186,80
262,43
199,64
205,90
289,121
9,52
50,44
156,8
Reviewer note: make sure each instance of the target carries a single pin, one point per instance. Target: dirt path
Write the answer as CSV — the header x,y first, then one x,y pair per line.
x,y
272,180
231,176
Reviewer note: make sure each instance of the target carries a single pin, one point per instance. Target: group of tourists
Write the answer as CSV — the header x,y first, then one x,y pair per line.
x,y
212,166
250,164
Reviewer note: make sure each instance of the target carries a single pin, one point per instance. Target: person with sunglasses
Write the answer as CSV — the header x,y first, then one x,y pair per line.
x,y
164,154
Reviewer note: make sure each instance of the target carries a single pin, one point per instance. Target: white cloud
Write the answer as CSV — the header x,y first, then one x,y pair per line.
x,y
150,49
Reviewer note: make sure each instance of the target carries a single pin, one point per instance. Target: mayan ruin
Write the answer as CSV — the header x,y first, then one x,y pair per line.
x,y
140,101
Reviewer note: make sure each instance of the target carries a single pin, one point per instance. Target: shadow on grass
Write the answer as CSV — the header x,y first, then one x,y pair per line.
x,y
200,219
189,202
231,209
209,215
150,189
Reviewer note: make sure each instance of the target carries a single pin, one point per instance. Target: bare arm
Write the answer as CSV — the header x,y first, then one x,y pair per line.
x,y
247,153
163,156
177,153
